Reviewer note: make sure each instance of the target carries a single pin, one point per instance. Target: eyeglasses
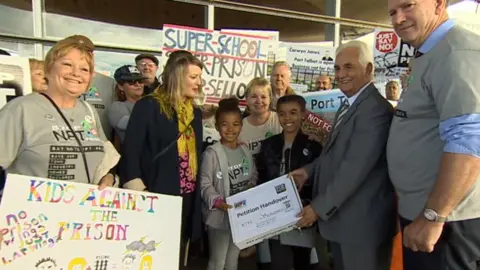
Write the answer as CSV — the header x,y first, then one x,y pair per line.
x,y
133,82
145,64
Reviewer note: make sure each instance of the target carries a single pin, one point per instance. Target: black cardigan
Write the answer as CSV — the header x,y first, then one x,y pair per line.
x,y
148,133
303,152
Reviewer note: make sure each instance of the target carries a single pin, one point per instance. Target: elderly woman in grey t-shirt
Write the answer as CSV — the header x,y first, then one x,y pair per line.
x,y
54,134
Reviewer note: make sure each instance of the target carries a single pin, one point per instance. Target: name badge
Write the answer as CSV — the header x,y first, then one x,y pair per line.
x,y
401,114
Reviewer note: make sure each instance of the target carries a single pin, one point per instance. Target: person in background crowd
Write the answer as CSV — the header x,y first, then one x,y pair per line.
x,y
37,74
392,92
130,86
280,82
434,147
48,120
161,152
148,66
219,179
262,123
279,155
353,200
323,82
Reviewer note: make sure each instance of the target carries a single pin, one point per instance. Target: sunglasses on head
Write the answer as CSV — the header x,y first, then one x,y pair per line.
x,y
133,82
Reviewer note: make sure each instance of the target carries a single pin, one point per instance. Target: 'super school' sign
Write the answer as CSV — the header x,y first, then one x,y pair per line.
x,y
57,225
230,60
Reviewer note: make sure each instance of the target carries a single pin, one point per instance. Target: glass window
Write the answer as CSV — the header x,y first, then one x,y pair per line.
x,y
18,49
17,20
60,26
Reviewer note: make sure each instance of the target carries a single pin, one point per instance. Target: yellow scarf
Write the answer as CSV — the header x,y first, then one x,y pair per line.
x,y
186,143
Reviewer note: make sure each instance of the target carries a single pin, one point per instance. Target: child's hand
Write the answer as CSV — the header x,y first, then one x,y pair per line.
x,y
224,206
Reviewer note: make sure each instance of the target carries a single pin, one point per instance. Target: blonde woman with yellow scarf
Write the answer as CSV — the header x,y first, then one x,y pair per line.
x,y
163,143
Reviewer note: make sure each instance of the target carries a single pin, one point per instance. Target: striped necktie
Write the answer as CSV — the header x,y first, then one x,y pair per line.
x,y
342,111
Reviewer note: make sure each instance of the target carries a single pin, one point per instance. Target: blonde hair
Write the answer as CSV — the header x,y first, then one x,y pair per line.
x,y
258,82
62,48
36,64
174,77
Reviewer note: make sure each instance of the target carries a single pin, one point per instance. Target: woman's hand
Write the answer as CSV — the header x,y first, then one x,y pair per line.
x,y
107,181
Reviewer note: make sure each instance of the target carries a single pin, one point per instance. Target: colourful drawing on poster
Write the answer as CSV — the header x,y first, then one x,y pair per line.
x,y
86,228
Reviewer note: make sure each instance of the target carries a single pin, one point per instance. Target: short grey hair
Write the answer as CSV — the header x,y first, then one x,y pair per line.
x,y
282,64
365,54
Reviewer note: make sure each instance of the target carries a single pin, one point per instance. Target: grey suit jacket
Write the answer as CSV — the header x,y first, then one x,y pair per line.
x,y
353,194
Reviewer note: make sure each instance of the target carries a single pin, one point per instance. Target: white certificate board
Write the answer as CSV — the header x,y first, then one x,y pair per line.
x,y
264,211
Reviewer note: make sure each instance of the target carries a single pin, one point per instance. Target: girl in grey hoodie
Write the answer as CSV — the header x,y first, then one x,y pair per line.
x,y
227,169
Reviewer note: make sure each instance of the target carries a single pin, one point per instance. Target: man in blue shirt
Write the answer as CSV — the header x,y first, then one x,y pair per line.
x,y
433,150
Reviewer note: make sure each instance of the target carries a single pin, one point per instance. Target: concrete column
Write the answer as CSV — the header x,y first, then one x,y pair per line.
x,y
210,17
38,6
332,31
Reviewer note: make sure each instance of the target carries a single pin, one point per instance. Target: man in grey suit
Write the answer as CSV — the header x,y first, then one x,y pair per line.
x,y
354,201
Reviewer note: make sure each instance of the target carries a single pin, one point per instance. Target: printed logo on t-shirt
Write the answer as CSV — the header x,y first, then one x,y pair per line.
x,y
88,128
92,94
85,132
238,176
254,146
235,171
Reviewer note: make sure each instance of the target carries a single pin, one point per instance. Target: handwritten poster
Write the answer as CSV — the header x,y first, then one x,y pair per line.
x,y
14,78
231,60
58,225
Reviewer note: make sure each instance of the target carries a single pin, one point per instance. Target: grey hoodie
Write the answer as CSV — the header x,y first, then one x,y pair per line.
x,y
215,183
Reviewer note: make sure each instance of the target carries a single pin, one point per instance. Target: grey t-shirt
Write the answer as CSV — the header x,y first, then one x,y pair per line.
x,y
36,141
101,95
238,168
443,84
118,116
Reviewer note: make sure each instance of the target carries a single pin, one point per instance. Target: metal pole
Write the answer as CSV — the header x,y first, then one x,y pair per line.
x,y
287,13
337,39
38,6
210,17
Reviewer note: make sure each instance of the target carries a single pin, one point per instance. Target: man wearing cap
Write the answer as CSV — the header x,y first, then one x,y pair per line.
x,y
100,94
148,66
130,84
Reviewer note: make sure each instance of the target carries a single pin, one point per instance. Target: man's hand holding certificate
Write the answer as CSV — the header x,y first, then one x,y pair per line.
x,y
264,211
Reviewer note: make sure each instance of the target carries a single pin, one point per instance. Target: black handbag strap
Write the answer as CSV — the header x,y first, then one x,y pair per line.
x,y
82,151
172,143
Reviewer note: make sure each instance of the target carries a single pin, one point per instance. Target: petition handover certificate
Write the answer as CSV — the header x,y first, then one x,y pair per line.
x,y
263,211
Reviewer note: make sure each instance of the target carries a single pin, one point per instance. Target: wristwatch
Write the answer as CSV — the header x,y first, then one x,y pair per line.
x,y
432,215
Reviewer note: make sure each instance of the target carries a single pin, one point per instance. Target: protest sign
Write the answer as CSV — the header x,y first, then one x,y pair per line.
x,y
230,60
391,55
57,225
263,211
308,62
321,109
14,78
